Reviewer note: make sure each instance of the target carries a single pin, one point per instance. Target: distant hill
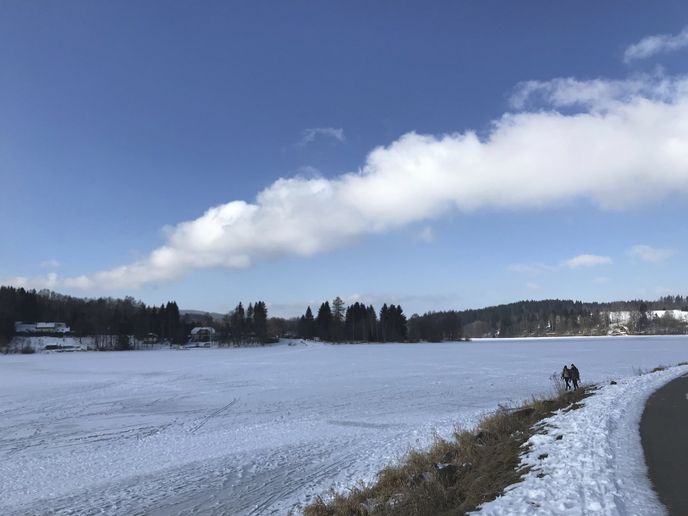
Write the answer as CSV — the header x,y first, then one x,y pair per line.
x,y
199,315
554,317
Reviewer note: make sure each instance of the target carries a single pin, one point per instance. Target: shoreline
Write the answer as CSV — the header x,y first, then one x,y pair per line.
x,y
654,336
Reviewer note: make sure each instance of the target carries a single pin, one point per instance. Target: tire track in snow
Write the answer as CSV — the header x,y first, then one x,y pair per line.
x,y
290,483
216,487
201,423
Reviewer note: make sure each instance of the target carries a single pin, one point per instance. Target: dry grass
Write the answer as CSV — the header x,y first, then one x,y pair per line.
x,y
454,476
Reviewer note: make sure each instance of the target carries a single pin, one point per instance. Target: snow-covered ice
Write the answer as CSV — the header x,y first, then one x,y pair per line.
x,y
590,461
259,430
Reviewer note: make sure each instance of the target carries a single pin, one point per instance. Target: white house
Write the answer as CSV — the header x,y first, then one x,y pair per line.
x,y
202,334
41,327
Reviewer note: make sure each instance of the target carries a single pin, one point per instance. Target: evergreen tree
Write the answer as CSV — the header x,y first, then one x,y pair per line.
x,y
400,323
323,322
384,323
373,325
357,325
350,324
309,324
260,321
338,309
338,312
250,330
238,324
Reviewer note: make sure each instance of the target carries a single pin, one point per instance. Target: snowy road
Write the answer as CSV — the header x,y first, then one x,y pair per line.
x,y
258,431
663,435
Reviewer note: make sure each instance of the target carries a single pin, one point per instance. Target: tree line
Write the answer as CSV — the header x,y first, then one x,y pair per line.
x,y
126,317
548,317
102,316
246,325
335,321
354,323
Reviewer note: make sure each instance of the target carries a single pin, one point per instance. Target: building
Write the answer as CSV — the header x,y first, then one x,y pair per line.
x,y
41,328
151,338
202,334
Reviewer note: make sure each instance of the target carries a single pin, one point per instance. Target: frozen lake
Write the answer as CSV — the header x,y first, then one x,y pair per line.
x,y
257,431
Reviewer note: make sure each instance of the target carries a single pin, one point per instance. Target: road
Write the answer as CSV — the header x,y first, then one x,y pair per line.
x,y
663,430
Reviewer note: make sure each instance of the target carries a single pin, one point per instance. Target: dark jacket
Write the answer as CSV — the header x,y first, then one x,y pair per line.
x,y
575,375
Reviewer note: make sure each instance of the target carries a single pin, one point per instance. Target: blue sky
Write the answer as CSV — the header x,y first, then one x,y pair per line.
x,y
121,121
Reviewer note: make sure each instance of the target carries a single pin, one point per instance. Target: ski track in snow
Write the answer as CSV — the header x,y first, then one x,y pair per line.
x,y
258,430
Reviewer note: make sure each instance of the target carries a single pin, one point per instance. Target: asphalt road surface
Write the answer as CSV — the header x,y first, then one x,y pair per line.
x,y
664,434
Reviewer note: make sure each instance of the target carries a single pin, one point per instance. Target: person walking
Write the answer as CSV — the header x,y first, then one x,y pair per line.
x,y
566,376
575,376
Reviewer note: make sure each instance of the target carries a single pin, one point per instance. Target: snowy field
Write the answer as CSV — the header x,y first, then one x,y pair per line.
x,y
259,430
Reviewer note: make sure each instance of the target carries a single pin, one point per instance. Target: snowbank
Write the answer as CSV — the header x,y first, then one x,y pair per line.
x,y
590,461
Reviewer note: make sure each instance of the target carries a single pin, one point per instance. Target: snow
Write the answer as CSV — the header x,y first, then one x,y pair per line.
x,y
624,316
620,317
590,460
40,342
259,430
49,344
679,315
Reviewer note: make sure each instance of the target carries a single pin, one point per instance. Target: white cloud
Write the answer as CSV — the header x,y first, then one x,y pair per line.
x,y
658,43
626,151
538,268
586,260
598,94
50,280
530,268
311,134
650,254
426,235
308,171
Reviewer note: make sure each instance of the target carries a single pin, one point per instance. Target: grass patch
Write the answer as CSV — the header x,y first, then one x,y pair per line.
x,y
454,476
639,371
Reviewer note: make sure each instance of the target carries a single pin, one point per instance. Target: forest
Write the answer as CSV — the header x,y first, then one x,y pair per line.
x,y
102,316
336,321
549,317
353,323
